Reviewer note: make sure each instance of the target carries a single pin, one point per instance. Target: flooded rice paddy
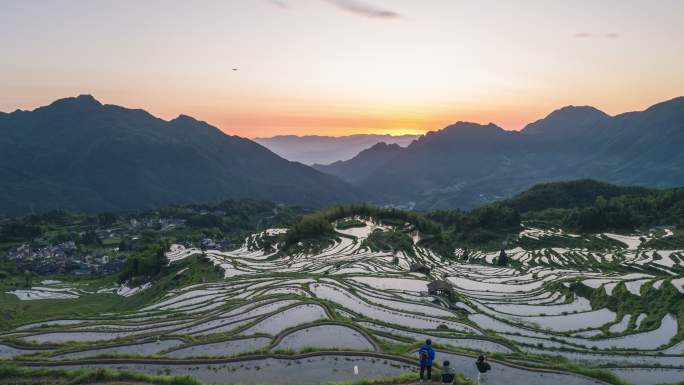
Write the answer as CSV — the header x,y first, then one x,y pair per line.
x,y
325,337
348,298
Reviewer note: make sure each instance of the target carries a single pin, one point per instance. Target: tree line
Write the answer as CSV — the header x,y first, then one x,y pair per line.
x,y
637,209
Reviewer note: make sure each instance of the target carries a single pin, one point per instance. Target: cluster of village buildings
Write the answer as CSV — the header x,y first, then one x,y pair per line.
x,y
71,257
42,257
64,257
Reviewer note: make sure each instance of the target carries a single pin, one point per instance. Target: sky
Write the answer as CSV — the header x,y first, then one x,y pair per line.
x,y
339,67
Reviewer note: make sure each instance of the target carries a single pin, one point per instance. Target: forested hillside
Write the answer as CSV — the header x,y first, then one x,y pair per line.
x,y
77,154
465,164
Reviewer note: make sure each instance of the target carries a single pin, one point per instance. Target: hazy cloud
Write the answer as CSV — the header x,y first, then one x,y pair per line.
x,y
589,35
357,7
362,8
278,3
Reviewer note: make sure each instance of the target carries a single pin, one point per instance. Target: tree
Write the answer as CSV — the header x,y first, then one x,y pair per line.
x,y
28,277
503,259
18,230
124,245
148,263
90,238
160,260
106,219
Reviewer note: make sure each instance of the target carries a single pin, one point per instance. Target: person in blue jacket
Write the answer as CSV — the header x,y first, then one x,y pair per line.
x,y
426,355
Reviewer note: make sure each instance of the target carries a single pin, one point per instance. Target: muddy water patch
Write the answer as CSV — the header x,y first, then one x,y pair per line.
x,y
11,351
147,348
288,318
580,304
222,349
61,337
649,376
389,283
569,322
346,299
620,326
325,337
614,359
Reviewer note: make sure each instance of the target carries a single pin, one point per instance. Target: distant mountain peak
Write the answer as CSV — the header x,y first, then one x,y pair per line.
x,y
364,163
97,158
185,118
571,110
567,120
351,136
463,128
463,125
672,104
382,146
315,149
80,102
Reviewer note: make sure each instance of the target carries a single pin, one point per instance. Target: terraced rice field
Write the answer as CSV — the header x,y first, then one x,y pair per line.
x,y
348,313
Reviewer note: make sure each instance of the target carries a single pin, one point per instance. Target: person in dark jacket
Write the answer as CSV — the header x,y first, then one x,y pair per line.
x,y
482,368
448,375
426,355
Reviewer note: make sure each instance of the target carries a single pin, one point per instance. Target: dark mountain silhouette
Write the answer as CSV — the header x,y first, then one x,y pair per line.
x,y
467,164
314,149
567,122
78,154
574,194
363,164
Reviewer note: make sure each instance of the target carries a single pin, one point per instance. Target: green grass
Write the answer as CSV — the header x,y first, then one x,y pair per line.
x,y
405,378
83,376
588,241
393,240
14,312
200,270
350,223
560,364
673,242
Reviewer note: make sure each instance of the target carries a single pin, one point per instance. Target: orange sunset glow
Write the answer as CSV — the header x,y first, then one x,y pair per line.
x,y
315,67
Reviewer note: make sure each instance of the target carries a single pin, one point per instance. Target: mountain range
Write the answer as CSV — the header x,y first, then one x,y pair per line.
x,y
314,149
79,154
467,164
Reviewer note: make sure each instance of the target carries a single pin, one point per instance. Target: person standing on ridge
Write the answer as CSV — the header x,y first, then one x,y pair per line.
x,y
448,375
426,354
482,368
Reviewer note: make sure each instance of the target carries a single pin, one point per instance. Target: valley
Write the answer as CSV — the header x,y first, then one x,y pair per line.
x,y
352,312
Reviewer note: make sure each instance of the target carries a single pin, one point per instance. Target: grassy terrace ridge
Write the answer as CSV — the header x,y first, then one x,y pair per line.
x,y
16,312
538,363
17,375
11,374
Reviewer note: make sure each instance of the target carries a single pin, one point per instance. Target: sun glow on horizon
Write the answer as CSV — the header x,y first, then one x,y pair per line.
x,y
314,69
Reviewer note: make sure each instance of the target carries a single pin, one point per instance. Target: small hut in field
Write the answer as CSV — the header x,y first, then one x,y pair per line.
x,y
420,268
440,287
